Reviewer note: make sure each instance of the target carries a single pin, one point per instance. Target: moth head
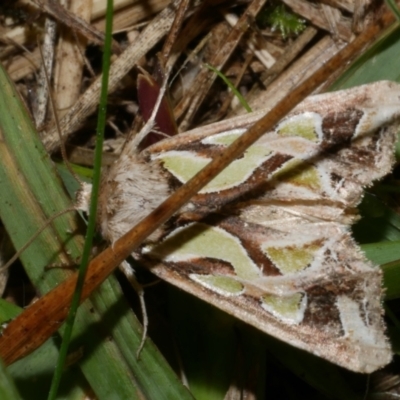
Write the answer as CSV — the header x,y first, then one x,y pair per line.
x,y
132,189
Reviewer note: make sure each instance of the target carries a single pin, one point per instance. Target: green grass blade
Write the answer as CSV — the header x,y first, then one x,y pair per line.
x,y
231,86
93,206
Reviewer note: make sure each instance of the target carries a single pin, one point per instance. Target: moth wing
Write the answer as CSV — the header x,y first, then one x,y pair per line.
x,y
268,239
307,284
285,262
322,154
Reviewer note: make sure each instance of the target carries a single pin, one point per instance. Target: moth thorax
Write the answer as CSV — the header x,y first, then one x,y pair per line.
x,y
132,189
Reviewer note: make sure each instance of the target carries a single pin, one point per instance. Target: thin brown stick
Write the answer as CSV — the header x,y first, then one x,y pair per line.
x,y
72,21
38,322
175,29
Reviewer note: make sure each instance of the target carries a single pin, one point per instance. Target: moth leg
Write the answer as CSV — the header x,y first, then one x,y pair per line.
x,y
129,272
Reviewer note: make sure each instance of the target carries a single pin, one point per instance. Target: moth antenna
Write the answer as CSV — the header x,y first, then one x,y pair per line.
x,y
129,272
57,122
30,241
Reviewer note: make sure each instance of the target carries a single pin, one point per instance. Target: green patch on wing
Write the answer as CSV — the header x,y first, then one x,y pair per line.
x,y
221,284
299,173
291,259
303,125
225,138
184,165
289,308
203,241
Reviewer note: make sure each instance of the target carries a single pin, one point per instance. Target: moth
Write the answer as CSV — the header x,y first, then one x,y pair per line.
x,y
268,239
